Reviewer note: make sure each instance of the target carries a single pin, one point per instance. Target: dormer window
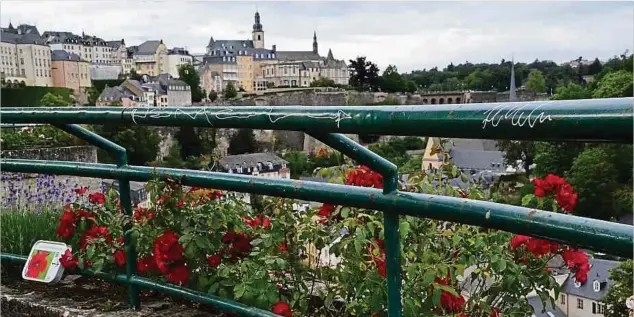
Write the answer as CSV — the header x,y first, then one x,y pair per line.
x,y
596,285
577,284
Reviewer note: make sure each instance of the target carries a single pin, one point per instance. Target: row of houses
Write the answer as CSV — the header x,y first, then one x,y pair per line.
x,y
151,91
64,59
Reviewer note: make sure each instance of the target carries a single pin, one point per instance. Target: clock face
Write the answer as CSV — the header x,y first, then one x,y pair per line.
x,y
630,302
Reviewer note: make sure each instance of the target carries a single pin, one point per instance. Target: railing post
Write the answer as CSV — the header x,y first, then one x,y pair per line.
x,y
124,197
390,220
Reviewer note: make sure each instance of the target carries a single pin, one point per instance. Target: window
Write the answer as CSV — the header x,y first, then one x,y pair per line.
x,y
562,299
600,308
579,303
23,73
21,60
596,286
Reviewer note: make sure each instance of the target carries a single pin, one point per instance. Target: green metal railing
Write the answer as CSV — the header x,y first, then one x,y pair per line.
x,y
596,120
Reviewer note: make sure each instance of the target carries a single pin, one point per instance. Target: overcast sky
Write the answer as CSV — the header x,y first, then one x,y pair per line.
x,y
411,35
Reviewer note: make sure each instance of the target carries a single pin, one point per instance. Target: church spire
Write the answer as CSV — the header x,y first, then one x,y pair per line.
x,y
512,95
257,27
315,45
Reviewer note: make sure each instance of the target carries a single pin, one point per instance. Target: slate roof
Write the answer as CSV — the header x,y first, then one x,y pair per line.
x,y
147,48
177,51
536,303
471,144
229,47
28,29
298,56
115,44
21,38
599,271
61,55
478,160
115,93
250,160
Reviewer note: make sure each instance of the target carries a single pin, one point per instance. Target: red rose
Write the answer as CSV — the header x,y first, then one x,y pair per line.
x,y
538,247
214,194
85,214
94,233
519,240
577,260
87,264
178,274
228,237
97,198
68,260
325,211
566,197
66,227
266,223
381,268
81,190
120,240
37,264
167,249
180,204
495,312
119,257
146,265
283,247
554,181
450,302
215,260
282,309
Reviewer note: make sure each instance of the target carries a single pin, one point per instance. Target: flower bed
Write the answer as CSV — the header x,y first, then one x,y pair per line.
x,y
206,241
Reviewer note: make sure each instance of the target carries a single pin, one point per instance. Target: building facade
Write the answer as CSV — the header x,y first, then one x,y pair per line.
x,y
177,57
251,66
70,71
90,48
24,56
149,58
583,300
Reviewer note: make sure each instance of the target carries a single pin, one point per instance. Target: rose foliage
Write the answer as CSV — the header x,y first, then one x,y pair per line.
x,y
215,243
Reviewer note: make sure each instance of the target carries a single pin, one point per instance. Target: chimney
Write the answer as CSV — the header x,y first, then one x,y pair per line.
x,y
274,48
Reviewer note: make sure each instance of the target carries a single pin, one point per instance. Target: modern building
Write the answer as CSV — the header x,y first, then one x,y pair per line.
x,y
256,164
583,300
149,58
70,71
24,56
177,57
249,65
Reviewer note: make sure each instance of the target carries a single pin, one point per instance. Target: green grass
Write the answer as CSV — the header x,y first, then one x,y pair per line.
x,y
19,230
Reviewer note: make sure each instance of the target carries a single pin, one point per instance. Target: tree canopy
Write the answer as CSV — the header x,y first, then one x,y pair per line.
x,y
188,74
230,91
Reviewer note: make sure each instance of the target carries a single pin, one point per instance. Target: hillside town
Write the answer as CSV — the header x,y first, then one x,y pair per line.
x,y
292,256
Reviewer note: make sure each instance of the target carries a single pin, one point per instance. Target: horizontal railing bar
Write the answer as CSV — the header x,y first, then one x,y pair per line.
x,y
597,235
221,303
597,120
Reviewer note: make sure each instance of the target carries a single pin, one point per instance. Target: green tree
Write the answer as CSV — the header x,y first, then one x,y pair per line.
x,y
323,82
517,151
133,75
141,142
213,95
243,142
536,82
594,178
230,91
392,81
572,91
93,95
615,84
555,157
188,74
364,75
195,142
51,100
620,291
595,67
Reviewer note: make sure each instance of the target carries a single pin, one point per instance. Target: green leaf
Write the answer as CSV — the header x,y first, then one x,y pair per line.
x,y
404,229
98,265
213,288
436,297
428,277
345,212
357,246
239,290
90,251
527,199
500,265
226,282
446,288
202,243
454,171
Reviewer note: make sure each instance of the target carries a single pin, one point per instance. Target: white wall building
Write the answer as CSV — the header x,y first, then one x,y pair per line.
x,y
24,56
177,57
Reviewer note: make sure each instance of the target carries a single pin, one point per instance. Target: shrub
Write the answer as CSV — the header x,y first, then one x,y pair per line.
x,y
21,229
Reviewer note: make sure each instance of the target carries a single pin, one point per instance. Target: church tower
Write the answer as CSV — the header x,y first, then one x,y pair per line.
x,y
258,33
315,47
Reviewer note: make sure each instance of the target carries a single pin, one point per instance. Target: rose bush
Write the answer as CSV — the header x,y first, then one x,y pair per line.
x,y
267,258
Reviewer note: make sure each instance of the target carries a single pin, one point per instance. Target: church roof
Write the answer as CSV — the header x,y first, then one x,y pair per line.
x,y
298,56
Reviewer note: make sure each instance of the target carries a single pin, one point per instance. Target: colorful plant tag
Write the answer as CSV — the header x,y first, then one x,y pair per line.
x,y
43,262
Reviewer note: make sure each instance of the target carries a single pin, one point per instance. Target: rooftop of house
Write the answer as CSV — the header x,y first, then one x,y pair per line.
x,y
27,38
147,47
115,93
115,44
61,55
22,29
539,311
298,56
598,276
177,51
250,160
478,160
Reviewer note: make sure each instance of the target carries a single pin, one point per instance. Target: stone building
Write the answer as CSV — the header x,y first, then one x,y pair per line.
x,y
249,65
149,58
70,71
24,56
90,48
